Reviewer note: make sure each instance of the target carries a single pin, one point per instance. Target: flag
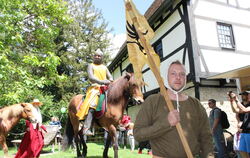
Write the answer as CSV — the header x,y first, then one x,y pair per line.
x,y
135,46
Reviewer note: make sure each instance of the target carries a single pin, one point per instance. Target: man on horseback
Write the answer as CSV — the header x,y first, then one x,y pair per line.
x,y
98,75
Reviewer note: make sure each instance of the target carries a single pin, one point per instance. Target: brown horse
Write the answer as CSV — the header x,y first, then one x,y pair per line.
x,y
11,115
118,95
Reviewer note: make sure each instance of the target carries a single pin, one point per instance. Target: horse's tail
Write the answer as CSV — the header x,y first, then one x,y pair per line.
x,y
68,135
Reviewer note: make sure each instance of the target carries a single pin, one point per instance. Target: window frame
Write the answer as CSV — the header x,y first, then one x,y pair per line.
x,y
158,48
231,36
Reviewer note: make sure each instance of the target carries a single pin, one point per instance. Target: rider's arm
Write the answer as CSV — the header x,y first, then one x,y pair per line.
x,y
109,76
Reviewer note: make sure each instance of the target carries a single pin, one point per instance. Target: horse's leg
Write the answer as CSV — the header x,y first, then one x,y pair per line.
x,y
77,140
4,145
75,123
78,148
107,145
113,135
84,145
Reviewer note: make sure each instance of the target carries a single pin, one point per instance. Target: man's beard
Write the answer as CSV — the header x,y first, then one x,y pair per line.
x,y
98,62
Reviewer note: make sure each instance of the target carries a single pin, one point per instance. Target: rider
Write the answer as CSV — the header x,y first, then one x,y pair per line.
x,y
98,75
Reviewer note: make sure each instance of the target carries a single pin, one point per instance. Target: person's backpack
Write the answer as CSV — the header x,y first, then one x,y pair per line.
x,y
223,119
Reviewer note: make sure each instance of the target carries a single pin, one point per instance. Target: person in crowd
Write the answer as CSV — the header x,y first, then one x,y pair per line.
x,y
55,121
123,129
33,140
216,129
239,118
238,107
154,122
98,75
130,135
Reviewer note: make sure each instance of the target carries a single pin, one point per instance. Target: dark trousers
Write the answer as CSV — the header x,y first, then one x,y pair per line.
x,y
122,140
144,144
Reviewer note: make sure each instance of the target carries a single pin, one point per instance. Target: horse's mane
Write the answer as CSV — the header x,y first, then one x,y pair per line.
x,y
116,89
15,108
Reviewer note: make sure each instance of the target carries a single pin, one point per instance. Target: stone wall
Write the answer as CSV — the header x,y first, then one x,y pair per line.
x,y
220,95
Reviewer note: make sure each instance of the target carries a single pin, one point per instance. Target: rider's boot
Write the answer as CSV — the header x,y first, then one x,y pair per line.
x,y
88,122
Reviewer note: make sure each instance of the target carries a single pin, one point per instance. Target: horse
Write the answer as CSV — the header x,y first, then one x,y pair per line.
x,y
11,115
118,96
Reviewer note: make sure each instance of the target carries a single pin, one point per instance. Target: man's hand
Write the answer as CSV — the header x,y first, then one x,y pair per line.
x,y
106,82
173,117
232,96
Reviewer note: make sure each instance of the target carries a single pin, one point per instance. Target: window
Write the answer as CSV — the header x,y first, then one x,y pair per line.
x,y
158,49
225,35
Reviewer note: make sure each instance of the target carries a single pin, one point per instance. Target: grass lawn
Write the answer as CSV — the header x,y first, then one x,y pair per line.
x,y
94,151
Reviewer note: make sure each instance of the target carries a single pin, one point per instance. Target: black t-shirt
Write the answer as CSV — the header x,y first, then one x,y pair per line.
x,y
241,115
246,122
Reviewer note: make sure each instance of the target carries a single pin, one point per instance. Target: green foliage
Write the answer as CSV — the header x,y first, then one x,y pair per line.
x,y
77,43
45,48
27,47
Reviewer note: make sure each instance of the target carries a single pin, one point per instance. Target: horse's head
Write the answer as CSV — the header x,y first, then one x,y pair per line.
x,y
134,88
31,112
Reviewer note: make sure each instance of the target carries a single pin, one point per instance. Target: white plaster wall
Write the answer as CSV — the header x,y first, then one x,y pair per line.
x,y
206,32
172,20
223,12
221,61
244,4
174,39
150,80
206,14
242,38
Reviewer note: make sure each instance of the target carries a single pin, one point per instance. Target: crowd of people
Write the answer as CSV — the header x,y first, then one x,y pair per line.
x,y
155,125
204,134
241,143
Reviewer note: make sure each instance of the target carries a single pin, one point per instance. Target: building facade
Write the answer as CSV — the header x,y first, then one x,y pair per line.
x,y
207,36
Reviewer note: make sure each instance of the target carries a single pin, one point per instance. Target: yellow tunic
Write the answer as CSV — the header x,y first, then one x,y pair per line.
x,y
91,99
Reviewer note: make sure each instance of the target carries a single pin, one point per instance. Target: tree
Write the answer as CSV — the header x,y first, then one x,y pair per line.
x,y
44,50
28,63
77,43
27,48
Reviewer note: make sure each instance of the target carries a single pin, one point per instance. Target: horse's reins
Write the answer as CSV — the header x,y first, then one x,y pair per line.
x,y
78,106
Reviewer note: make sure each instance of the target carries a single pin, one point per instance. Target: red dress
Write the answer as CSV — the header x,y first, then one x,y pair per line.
x,y
32,142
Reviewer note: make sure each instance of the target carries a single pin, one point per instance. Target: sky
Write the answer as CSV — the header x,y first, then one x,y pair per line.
x,y
114,13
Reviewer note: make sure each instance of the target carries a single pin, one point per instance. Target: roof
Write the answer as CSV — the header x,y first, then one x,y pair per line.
x,y
236,73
